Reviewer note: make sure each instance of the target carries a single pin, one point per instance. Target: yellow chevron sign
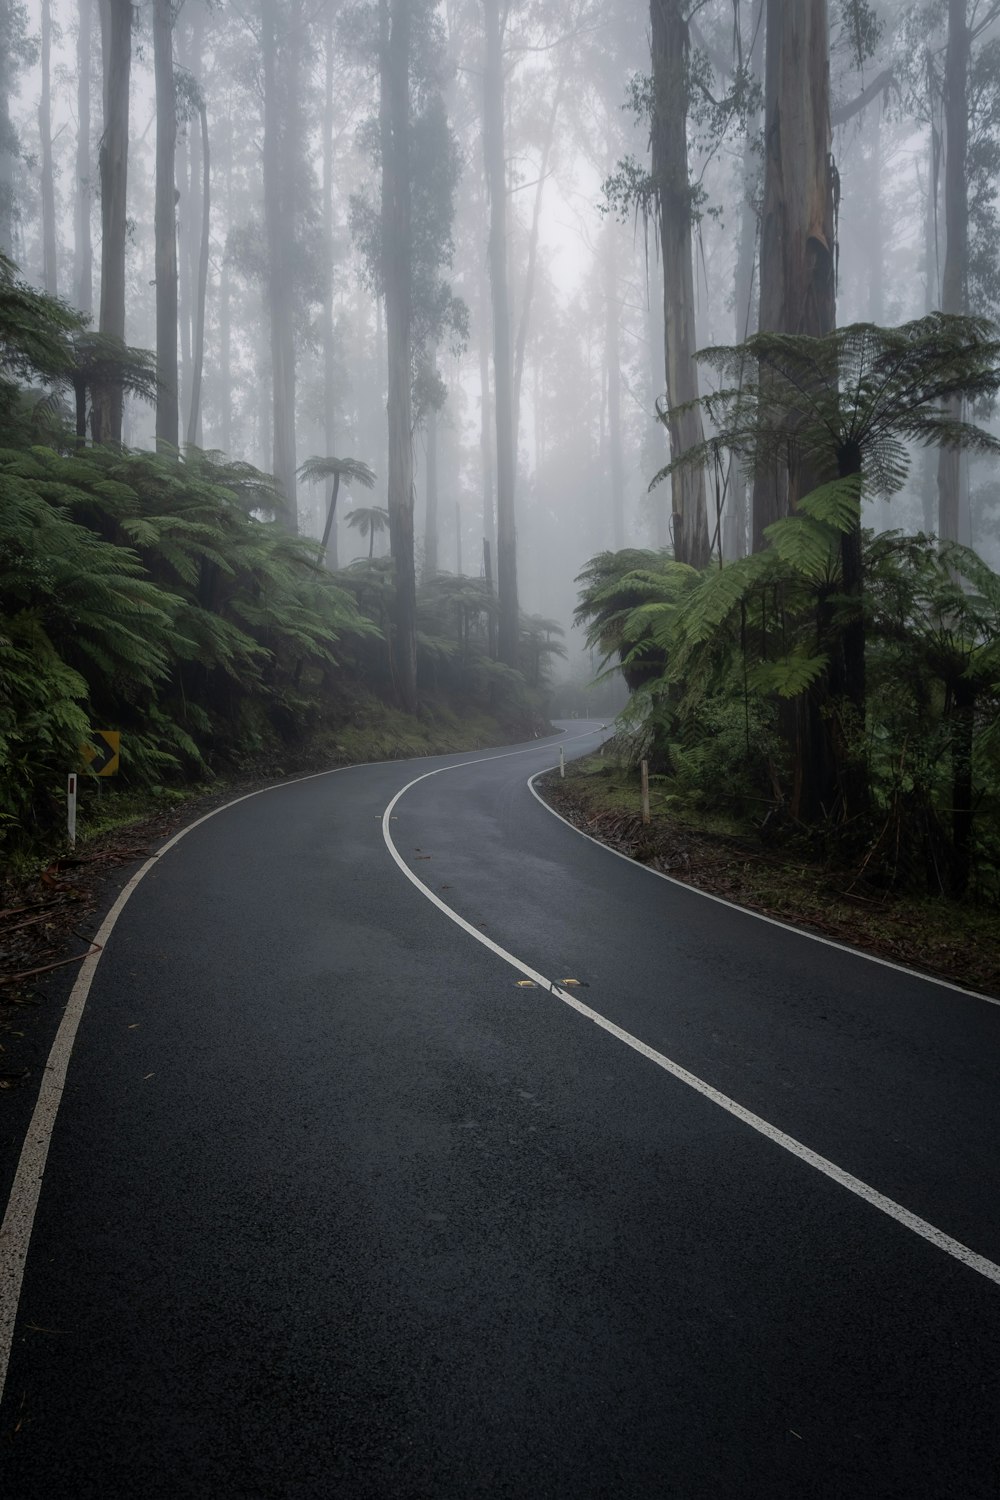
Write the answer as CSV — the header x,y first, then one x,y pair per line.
x,y
102,755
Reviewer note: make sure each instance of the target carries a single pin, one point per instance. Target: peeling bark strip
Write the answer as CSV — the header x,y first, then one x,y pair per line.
x,y
670,45
797,290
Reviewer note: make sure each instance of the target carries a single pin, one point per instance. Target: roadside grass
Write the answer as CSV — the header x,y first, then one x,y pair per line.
x,y
956,941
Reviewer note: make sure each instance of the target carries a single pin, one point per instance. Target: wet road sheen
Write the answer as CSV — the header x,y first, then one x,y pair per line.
x,y
334,1207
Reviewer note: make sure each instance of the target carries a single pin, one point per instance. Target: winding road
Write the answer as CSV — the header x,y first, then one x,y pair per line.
x,y
352,1192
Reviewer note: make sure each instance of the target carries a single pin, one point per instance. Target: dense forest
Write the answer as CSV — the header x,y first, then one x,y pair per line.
x,y
352,350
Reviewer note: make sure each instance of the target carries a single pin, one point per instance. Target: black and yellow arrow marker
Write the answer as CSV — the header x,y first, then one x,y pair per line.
x,y
101,755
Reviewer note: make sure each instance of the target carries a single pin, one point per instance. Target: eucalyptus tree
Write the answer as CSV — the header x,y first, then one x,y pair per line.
x,y
281,40
83,262
862,395
797,273
49,271
16,50
166,227
116,44
407,244
946,60
192,102
666,194
503,369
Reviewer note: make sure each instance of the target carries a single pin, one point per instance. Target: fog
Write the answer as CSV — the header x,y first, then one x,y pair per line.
x,y
555,304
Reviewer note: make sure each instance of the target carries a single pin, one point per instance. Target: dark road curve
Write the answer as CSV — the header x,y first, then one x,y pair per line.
x,y
335,1207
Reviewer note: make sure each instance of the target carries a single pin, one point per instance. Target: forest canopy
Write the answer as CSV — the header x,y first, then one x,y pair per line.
x,y
338,342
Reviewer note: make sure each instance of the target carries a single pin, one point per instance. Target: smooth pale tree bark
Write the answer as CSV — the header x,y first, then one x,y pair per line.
x,y
734,539
280,86
503,371
83,260
50,279
329,349
165,228
431,498
8,162
929,459
201,293
670,46
485,394
954,281
184,172
394,61
613,376
224,373
797,289
656,448
116,44
524,320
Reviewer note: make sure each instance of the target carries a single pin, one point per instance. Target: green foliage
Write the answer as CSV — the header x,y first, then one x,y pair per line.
x,y
860,395
616,588
743,640
140,594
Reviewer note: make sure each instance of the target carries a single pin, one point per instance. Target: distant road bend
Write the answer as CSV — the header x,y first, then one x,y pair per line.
x,y
413,1145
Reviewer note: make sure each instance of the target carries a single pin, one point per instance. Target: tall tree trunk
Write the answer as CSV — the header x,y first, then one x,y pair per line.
x,y
670,47
797,288
225,311
184,174
116,43
503,372
165,228
745,310
8,159
797,295
876,279
279,205
198,352
612,362
83,265
529,275
50,276
486,409
329,349
394,31
656,444
431,512
954,283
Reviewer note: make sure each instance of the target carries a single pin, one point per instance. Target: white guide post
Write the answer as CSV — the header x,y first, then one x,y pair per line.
x,y
71,808
645,791
562,762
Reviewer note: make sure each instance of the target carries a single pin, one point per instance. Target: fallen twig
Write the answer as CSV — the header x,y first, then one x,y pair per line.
x,y
44,968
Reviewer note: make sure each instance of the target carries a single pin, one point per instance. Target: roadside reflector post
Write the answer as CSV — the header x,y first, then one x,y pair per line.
x,y
645,791
562,762
71,808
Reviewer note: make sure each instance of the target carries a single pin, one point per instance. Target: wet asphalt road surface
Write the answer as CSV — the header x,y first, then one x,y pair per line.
x,y
334,1208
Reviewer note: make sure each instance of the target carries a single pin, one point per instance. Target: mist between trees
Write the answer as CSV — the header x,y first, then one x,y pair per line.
x,y
424,284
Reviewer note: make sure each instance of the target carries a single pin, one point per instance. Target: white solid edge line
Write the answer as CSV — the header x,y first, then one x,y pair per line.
x,y
862,1190
19,1218
748,911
